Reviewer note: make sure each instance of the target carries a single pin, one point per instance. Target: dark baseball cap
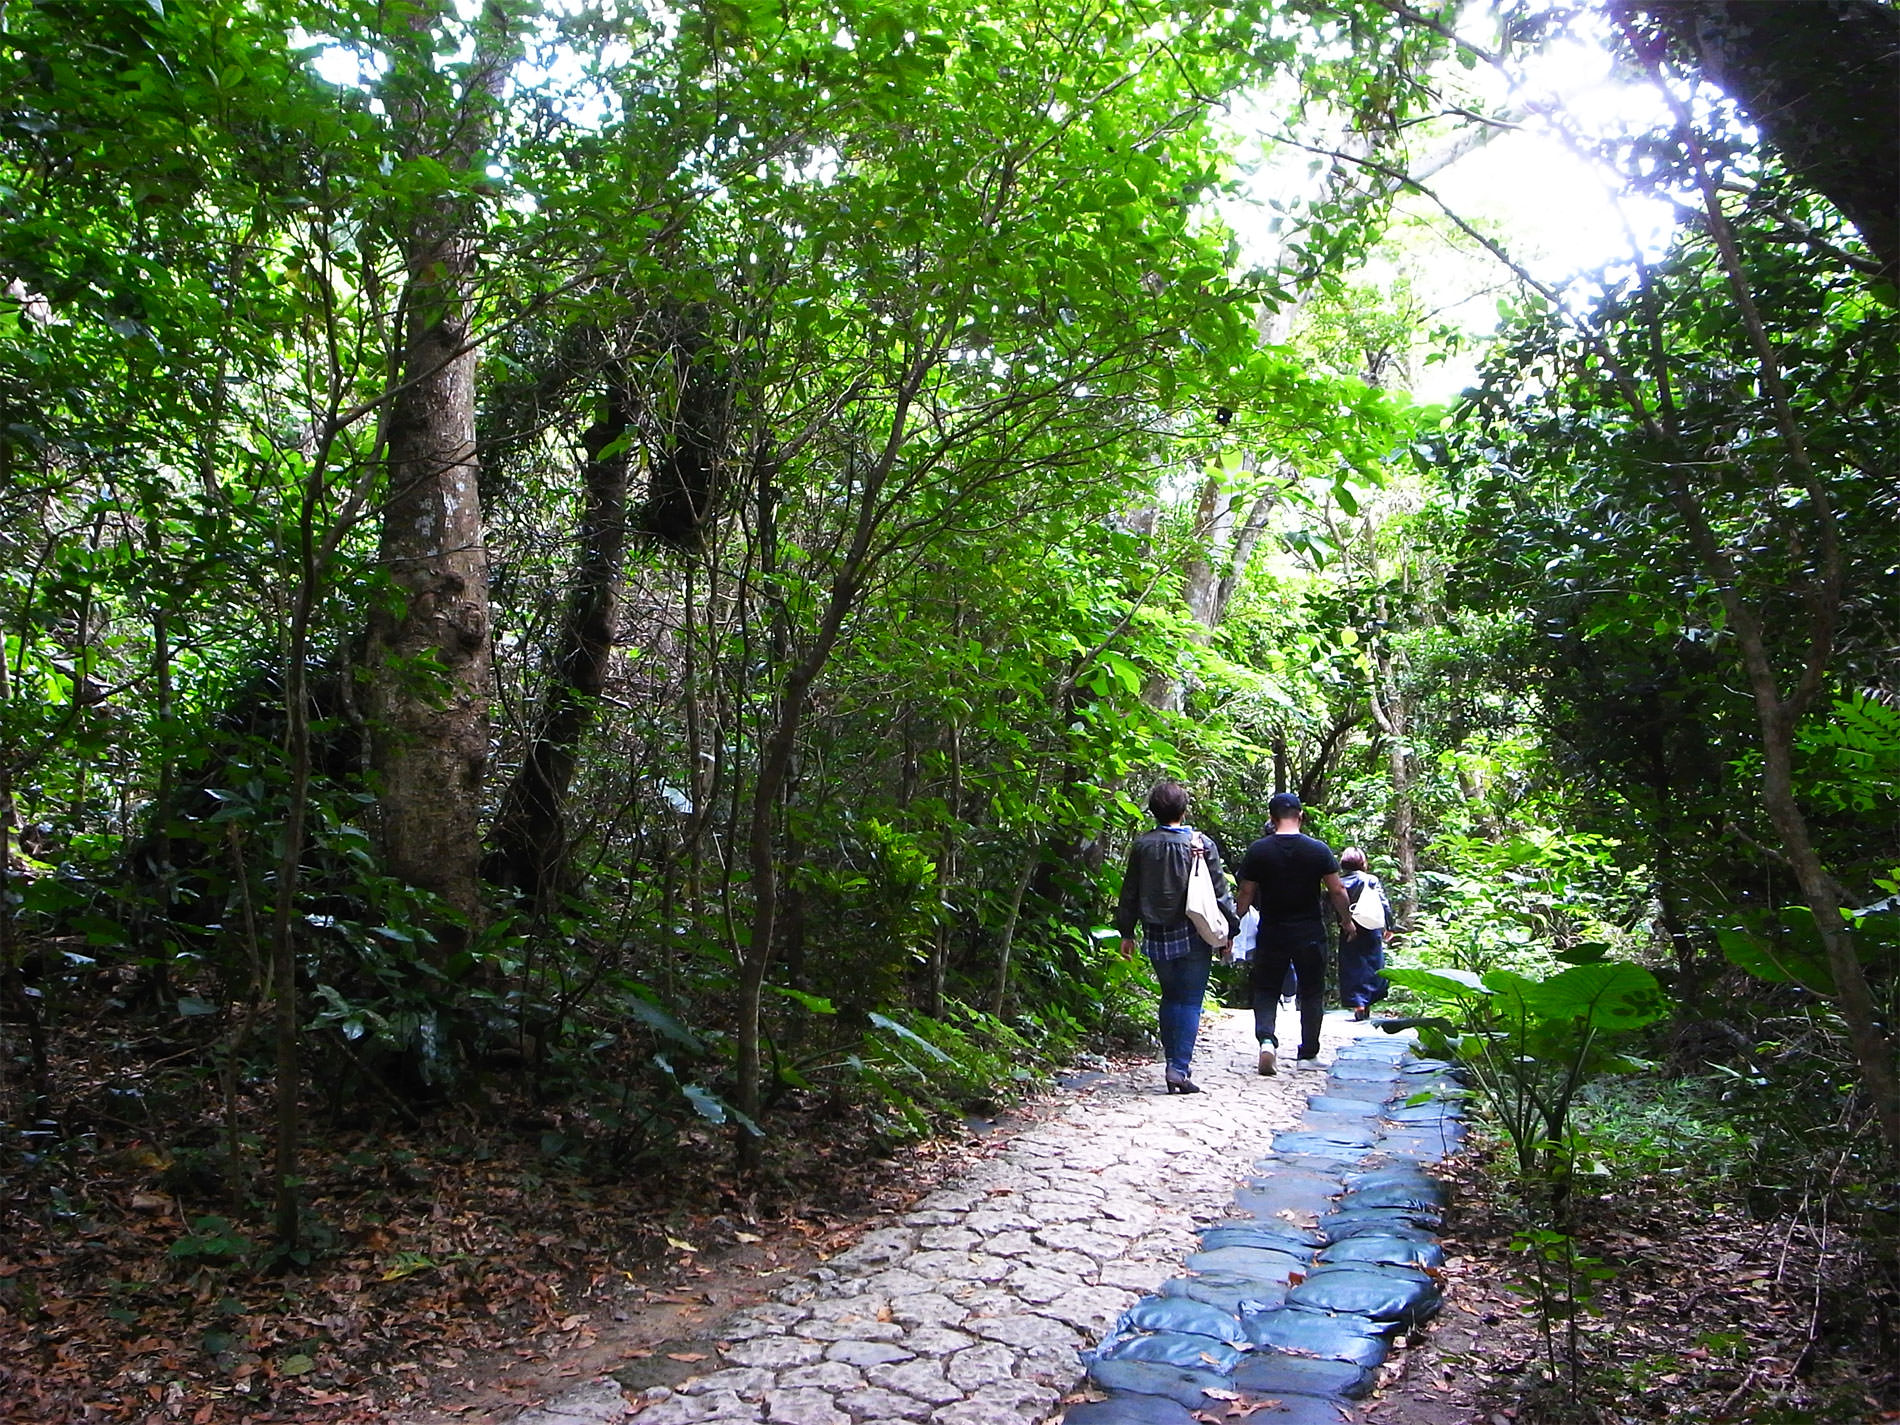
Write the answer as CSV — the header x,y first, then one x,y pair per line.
x,y
1283,805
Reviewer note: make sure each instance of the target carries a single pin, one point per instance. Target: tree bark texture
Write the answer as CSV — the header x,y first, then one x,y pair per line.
x,y
1821,79
532,837
430,654
1393,717
1212,571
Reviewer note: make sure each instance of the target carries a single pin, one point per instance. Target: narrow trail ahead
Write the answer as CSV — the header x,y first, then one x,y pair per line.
x,y
984,1304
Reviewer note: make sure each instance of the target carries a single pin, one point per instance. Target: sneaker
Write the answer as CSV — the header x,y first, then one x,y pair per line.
x,y
1269,1061
1306,1064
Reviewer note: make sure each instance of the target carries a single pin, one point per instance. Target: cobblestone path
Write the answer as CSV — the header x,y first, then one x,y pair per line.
x,y
977,1307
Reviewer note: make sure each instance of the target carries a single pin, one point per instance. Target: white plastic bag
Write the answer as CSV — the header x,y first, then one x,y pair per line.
x,y
1245,937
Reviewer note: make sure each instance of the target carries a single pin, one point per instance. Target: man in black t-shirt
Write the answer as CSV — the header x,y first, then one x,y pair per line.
x,y
1282,875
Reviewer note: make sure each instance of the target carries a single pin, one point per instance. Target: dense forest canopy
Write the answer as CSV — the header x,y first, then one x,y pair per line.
x,y
646,557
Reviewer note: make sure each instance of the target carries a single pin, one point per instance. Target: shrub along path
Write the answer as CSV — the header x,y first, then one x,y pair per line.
x,y
1112,1234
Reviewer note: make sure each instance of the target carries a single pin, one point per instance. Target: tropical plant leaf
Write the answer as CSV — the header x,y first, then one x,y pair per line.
x,y
909,1036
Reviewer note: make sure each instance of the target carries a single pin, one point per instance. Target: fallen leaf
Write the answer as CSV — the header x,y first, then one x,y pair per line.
x,y
690,1357
1245,1408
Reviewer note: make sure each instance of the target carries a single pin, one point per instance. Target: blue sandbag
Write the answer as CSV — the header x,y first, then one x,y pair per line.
x,y
1256,1262
1386,1247
1173,1348
1401,1222
1420,1186
1390,1049
1277,1373
1174,1313
1328,1103
1404,1148
1357,1071
1229,1291
1357,1133
1179,1384
1258,1234
1334,1164
1320,1145
1286,1175
1129,1410
1357,1339
1273,1204
1413,1195
1366,1289
1423,1114
1417,1067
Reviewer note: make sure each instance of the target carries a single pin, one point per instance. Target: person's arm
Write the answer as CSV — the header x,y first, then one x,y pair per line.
x,y
1128,908
1342,906
1223,893
1243,898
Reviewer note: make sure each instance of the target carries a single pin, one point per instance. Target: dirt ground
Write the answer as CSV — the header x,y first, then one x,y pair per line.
x,y
462,1287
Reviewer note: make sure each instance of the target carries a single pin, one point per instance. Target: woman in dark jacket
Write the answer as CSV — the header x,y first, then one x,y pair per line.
x,y
1361,948
1154,896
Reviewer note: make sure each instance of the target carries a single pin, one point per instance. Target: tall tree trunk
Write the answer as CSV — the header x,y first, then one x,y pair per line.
x,y
1821,78
1393,716
788,715
1213,571
1006,942
429,645
531,836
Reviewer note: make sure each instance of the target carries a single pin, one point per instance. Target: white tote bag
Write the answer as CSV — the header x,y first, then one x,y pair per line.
x,y
1203,907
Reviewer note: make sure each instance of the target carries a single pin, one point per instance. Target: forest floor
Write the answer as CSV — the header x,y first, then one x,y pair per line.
x,y
1699,1313
461,1277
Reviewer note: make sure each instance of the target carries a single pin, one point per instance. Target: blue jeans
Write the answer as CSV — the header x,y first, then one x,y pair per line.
x,y
1303,946
1183,990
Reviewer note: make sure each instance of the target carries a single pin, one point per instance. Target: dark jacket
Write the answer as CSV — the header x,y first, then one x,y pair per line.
x,y
1154,887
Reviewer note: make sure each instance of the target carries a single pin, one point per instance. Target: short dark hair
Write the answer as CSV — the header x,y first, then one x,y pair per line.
x,y
1168,801
1283,805
1352,859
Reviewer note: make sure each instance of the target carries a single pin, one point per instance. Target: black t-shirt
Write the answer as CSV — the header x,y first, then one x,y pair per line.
x,y
1287,872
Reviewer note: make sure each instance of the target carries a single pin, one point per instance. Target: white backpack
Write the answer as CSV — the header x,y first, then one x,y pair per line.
x,y
1368,905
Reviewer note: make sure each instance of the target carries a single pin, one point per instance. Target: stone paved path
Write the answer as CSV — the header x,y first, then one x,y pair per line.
x,y
976,1307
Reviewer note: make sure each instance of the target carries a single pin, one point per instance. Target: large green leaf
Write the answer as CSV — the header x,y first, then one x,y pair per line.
x,y
1440,983
1613,995
1790,954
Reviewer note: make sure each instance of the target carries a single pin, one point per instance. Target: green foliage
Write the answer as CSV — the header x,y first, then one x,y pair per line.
x,y
1563,1285
1675,1127
1528,901
212,1241
1531,1043
1851,755
928,1068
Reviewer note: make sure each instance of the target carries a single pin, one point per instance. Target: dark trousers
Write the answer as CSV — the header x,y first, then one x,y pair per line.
x,y
1303,946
